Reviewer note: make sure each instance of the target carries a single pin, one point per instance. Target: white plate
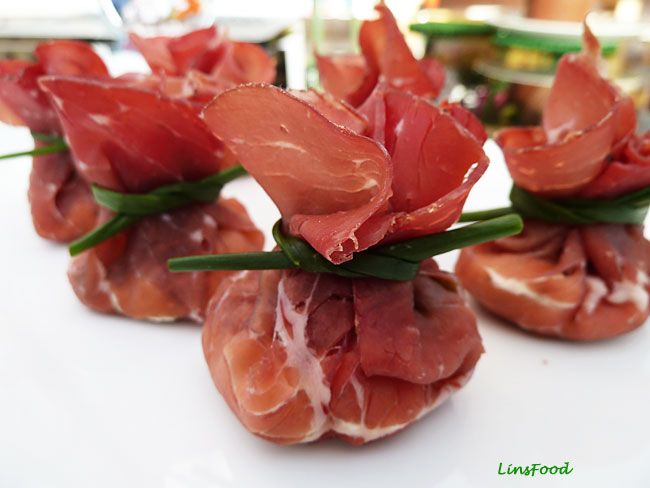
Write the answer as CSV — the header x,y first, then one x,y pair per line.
x,y
88,400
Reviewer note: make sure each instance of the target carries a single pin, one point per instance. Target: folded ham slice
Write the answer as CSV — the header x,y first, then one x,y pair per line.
x,y
135,140
575,282
343,192
299,356
385,57
61,204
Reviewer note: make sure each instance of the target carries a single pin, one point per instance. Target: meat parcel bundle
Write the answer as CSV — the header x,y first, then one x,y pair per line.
x,y
300,354
61,203
194,68
579,270
135,141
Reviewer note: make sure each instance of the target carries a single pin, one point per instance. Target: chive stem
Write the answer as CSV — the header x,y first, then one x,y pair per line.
x,y
114,226
57,147
233,261
393,262
485,214
421,248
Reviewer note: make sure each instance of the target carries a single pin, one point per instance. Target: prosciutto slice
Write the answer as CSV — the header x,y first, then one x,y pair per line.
x,y
385,57
134,140
207,51
344,192
299,356
61,204
575,282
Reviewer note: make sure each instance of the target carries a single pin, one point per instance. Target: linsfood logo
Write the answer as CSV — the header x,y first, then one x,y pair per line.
x,y
533,469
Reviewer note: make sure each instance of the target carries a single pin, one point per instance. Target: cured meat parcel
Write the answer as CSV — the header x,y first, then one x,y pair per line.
x,y
579,282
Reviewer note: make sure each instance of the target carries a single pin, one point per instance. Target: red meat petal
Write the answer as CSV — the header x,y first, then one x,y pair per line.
x,y
342,75
334,110
326,181
387,53
129,139
436,161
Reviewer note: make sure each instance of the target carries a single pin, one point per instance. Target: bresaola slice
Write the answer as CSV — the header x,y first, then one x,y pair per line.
x,y
334,110
61,204
436,160
575,282
343,192
385,58
585,119
299,356
129,139
134,140
326,181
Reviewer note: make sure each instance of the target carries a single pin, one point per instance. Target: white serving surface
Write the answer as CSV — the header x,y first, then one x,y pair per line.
x,y
102,401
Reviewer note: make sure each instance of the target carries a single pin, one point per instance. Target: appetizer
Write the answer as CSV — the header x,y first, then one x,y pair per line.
x,y
61,203
193,68
153,161
350,330
385,57
580,268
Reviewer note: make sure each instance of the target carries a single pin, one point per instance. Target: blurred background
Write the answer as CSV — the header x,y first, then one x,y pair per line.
x,y
500,55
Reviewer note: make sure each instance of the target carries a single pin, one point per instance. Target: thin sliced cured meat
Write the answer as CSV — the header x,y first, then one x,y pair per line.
x,y
127,274
207,51
436,160
385,57
61,204
22,98
584,120
129,139
299,356
334,110
343,192
326,180
584,282
134,140
628,171
196,88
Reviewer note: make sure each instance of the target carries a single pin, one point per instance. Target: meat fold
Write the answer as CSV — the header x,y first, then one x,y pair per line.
x,y
583,282
203,62
299,356
385,57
